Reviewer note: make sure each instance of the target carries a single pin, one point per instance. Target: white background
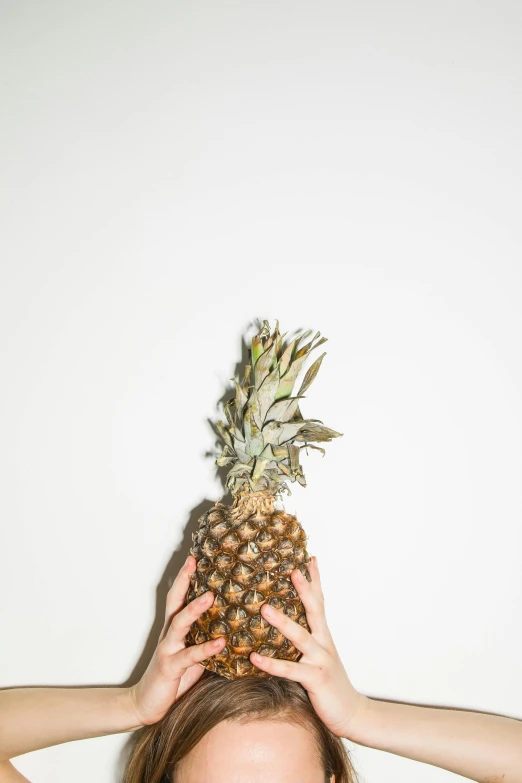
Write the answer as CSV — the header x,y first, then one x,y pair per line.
x,y
172,174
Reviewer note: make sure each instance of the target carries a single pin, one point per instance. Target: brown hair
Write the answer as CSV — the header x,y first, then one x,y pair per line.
x,y
160,747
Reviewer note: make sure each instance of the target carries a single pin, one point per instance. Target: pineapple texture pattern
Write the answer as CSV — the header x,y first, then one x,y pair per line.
x,y
245,554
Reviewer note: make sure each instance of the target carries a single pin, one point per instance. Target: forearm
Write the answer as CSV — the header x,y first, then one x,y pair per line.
x,y
482,747
9,774
34,718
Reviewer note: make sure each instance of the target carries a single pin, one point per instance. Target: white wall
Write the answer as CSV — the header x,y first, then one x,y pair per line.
x,y
174,172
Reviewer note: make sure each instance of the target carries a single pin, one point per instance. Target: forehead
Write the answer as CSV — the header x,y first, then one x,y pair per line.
x,y
255,752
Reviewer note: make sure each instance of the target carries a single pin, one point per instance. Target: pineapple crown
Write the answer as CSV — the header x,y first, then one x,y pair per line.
x,y
264,425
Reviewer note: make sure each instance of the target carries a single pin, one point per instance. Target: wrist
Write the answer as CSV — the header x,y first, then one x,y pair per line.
x,y
355,729
127,708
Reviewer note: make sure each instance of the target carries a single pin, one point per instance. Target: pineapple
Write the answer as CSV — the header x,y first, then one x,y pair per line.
x,y
246,551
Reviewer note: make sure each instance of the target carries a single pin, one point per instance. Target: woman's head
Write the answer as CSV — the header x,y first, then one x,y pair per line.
x,y
250,730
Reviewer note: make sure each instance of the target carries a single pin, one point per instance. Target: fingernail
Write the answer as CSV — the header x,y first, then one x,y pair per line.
x,y
298,575
256,656
269,609
217,642
187,561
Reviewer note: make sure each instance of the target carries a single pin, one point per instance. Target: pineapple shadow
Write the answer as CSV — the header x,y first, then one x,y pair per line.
x,y
173,566
179,556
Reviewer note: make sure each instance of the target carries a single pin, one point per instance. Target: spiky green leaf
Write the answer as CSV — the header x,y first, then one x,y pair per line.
x,y
279,344
294,457
310,446
239,448
228,410
311,374
237,433
286,470
225,434
303,336
260,465
288,431
309,347
255,445
315,432
284,361
257,349
271,432
240,468
266,393
250,427
282,410
223,460
286,383
267,451
262,366
246,378
241,399
253,408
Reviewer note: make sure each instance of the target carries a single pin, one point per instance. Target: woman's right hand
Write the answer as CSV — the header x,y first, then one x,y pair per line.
x,y
320,670
174,668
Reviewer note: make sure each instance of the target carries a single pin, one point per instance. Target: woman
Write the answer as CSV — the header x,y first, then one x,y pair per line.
x,y
197,727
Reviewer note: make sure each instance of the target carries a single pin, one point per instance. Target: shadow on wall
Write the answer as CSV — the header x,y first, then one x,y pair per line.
x,y
171,570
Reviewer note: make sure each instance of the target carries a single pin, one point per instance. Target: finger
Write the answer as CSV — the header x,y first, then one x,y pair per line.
x,y
299,672
195,653
182,621
297,634
177,593
189,678
312,598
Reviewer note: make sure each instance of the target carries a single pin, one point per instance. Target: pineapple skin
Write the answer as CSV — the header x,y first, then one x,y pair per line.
x,y
245,554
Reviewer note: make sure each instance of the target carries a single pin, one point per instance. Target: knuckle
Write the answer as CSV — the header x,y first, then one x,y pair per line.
x,y
162,651
165,666
323,658
197,652
286,669
183,657
171,605
197,607
319,603
174,586
177,627
182,652
192,609
282,621
208,647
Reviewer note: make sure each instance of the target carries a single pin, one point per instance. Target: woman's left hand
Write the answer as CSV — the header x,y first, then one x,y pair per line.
x,y
319,670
